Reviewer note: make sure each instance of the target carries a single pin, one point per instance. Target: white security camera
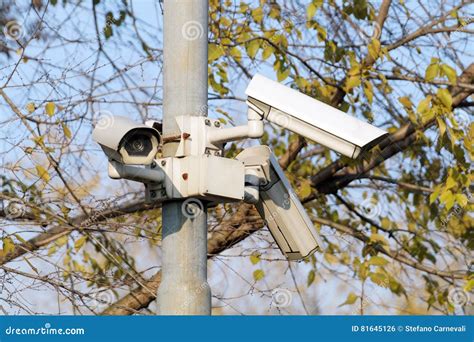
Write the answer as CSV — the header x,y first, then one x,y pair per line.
x,y
311,118
126,141
277,204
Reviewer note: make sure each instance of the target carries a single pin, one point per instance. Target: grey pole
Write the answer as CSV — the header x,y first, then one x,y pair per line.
x,y
184,289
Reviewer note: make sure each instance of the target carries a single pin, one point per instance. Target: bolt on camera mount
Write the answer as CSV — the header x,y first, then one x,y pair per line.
x,y
199,170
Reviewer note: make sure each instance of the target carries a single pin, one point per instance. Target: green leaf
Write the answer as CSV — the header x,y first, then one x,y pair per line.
x,y
311,277
108,32
50,108
258,275
351,299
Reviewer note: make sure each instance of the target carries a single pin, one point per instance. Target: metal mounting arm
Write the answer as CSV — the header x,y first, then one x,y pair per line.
x,y
135,173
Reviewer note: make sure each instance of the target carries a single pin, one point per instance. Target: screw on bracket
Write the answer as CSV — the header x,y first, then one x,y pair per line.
x,y
217,124
207,122
163,162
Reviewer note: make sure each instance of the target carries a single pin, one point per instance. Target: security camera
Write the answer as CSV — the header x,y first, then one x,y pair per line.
x,y
126,141
311,118
269,189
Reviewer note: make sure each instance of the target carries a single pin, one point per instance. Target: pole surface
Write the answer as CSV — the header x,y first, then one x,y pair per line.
x,y
184,289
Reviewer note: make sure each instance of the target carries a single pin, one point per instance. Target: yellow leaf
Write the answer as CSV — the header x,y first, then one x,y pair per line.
x,y
80,242
469,285
311,11
378,261
450,182
258,275
424,105
30,107
214,52
50,108
441,125
351,299
66,130
432,71
445,97
52,250
379,279
331,258
352,82
368,91
252,48
42,173
267,51
8,245
374,48
449,72
257,14
405,101
255,258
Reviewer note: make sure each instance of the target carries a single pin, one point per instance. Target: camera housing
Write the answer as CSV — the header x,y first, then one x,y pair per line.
x,y
125,141
311,118
278,205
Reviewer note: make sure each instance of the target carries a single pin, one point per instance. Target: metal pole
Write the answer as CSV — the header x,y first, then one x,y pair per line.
x,y
184,289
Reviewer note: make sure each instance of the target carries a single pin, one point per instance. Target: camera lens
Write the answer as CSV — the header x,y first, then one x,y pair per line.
x,y
138,144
